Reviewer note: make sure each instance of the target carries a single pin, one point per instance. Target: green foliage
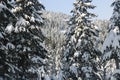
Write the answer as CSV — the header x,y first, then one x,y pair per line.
x,y
80,57
22,51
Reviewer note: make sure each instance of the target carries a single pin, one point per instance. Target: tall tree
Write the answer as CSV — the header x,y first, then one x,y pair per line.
x,y
26,54
111,46
79,59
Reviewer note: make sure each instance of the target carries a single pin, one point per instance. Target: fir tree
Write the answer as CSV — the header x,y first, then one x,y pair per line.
x,y
79,60
111,46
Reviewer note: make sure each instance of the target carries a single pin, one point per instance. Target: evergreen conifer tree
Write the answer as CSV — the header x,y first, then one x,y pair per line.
x,y
79,60
26,54
111,46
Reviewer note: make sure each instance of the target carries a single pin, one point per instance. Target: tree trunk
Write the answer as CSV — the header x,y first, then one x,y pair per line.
x,y
104,74
117,63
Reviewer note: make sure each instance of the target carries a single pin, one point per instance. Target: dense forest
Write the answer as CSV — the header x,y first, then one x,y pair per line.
x,y
37,44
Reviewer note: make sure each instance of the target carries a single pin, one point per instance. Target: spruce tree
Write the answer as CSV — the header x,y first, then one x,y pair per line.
x,y
26,54
111,46
80,54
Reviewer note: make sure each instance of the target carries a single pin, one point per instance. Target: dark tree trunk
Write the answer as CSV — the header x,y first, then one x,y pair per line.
x,y
104,74
117,63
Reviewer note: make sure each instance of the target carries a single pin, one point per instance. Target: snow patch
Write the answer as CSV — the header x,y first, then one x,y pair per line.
x,y
87,4
10,46
117,71
112,39
37,59
1,36
17,9
76,54
87,69
85,56
22,22
2,7
32,19
47,77
9,28
73,68
115,75
107,55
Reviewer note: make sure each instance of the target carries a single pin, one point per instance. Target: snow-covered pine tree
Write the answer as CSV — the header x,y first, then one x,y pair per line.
x,y
80,56
6,18
111,46
26,54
